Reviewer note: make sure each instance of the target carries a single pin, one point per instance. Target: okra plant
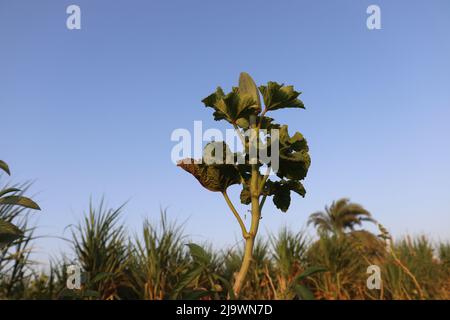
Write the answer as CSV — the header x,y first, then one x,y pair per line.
x,y
9,196
272,163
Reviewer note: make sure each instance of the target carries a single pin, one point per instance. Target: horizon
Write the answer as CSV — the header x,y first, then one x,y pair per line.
x,y
90,112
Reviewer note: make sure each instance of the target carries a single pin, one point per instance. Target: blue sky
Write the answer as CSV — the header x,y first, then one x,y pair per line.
x,y
90,112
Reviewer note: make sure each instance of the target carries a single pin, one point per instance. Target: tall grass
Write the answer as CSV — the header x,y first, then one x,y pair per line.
x,y
102,250
160,262
158,259
15,261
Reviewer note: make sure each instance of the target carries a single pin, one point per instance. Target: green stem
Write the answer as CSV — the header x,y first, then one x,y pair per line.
x,y
261,205
245,233
250,241
238,131
264,180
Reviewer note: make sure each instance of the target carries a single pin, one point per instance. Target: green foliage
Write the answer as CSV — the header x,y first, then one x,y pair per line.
x,y
4,167
162,263
339,217
15,238
216,178
202,279
19,201
242,108
101,247
158,260
278,96
281,191
294,157
8,231
15,264
235,107
87,292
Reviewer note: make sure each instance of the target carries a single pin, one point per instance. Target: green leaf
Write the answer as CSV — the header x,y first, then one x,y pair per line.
x,y
248,86
281,192
19,201
235,107
309,272
186,280
91,294
216,178
278,96
267,123
294,159
303,292
282,198
198,253
101,276
8,232
8,190
4,167
296,186
227,285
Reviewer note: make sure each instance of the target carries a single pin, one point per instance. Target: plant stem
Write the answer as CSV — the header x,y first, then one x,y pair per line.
x,y
238,131
264,180
245,233
250,241
261,204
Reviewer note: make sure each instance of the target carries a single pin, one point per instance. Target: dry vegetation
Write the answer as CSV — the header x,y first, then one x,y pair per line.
x,y
161,263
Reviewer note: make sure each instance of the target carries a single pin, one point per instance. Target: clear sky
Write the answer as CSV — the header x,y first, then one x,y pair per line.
x,y
90,112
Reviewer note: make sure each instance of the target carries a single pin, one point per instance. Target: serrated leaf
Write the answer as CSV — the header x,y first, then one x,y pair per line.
x,y
278,96
4,167
8,232
235,107
216,178
268,124
294,159
19,201
281,192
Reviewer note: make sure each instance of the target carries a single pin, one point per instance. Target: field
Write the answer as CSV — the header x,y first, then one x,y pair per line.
x,y
161,263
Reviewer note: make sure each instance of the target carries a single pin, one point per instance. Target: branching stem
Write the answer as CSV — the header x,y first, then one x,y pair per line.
x,y
238,131
245,233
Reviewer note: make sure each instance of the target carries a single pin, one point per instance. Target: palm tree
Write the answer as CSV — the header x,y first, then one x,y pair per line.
x,y
341,215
